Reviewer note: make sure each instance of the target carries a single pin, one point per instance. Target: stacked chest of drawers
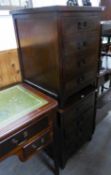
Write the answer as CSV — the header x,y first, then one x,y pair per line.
x,y
58,49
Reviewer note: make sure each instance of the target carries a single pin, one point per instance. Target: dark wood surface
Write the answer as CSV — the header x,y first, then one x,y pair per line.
x,y
56,9
77,126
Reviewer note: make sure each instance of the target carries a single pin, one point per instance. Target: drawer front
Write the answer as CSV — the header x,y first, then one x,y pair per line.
x,y
78,123
79,82
79,65
78,108
19,138
73,24
81,43
79,135
37,144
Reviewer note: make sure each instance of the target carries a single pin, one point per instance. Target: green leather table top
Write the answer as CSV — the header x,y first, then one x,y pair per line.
x,y
15,102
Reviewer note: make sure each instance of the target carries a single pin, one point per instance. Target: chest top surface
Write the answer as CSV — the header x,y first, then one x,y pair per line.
x,y
56,9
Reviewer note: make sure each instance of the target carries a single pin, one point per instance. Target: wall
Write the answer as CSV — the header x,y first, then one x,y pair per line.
x,y
7,35
38,3
9,64
9,68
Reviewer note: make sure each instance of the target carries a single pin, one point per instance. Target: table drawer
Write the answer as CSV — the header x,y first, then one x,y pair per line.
x,y
37,144
19,138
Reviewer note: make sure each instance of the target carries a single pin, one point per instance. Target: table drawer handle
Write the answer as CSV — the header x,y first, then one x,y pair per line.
x,y
15,141
20,140
25,134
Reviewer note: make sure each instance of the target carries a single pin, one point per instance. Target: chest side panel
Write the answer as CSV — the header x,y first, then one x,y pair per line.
x,y
38,41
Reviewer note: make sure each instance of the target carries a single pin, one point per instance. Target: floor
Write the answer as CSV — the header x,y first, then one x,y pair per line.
x,y
93,159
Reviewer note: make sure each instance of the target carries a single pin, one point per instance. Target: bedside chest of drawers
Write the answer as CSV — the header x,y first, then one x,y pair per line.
x,y
58,50
27,122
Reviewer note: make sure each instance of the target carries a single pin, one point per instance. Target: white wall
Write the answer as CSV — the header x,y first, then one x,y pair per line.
x,y
39,3
7,35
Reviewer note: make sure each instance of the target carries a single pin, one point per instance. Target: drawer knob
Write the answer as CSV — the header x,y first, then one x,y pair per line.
x,y
79,25
96,90
84,61
84,43
25,134
82,96
42,140
34,146
85,24
15,141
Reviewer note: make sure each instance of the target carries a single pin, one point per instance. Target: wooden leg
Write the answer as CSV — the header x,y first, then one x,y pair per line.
x,y
102,88
55,148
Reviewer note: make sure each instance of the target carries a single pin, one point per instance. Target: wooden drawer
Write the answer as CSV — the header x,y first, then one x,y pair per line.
x,y
37,144
80,43
79,65
78,124
19,138
73,24
78,108
79,133
77,83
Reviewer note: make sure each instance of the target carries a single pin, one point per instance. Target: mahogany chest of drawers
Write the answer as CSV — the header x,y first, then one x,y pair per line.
x,y
58,49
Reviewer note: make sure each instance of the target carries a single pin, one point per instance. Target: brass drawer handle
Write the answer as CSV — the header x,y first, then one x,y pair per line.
x,y
25,134
20,140
42,141
81,25
85,24
81,45
84,43
15,141
34,146
81,79
82,96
